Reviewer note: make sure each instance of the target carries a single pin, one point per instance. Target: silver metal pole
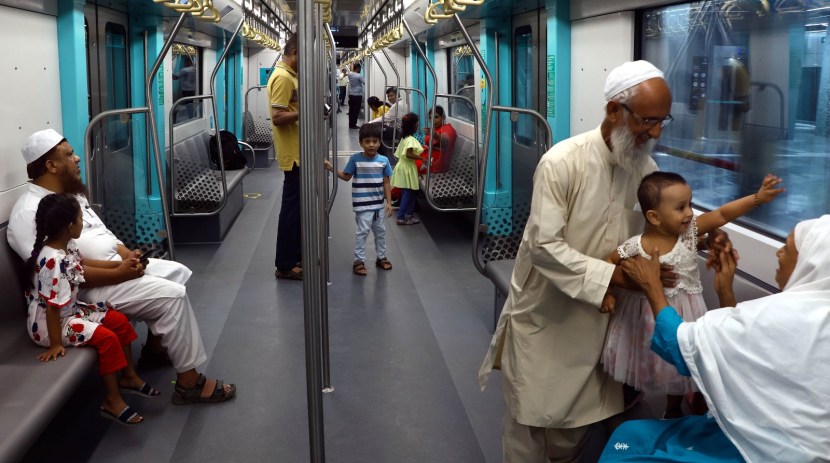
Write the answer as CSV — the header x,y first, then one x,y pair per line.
x,y
149,182
311,229
90,181
397,89
216,111
498,121
322,194
333,69
151,121
488,119
434,91
385,80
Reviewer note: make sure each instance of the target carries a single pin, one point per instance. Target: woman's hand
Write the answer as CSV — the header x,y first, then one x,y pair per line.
x,y
725,277
52,353
646,273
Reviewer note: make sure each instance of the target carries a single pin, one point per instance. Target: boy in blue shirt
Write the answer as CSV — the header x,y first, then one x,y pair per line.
x,y
371,187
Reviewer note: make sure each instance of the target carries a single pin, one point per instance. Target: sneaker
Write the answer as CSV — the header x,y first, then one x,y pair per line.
x,y
396,203
289,274
408,221
631,397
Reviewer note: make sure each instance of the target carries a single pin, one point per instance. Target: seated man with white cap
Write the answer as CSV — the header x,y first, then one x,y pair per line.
x,y
155,295
549,338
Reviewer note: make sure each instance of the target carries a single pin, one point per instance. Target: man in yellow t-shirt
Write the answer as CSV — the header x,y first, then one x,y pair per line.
x,y
283,100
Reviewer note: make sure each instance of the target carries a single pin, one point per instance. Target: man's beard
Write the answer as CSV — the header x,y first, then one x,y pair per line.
x,y
626,153
72,184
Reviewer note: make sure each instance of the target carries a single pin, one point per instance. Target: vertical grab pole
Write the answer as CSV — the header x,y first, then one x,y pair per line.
x,y
151,121
385,81
146,130
311,229
322,197
488,119
397,89
434,92
498,122
219,62
333,122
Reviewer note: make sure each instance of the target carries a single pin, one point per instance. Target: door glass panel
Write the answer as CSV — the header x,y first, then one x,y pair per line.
x,y
462,82
115,43
524,81
186,81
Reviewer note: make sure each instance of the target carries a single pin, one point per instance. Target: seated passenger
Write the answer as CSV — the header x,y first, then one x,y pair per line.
x,y
391,119
763,366
379,108
155,295
443,146
56,317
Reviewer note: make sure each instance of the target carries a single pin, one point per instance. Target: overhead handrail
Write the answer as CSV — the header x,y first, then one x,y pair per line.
x,y
151,120
488,120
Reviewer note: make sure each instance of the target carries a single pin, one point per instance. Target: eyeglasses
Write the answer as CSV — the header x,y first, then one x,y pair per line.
x,y
649,122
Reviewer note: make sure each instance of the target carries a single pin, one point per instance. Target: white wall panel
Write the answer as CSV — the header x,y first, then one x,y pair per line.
x,y
597,45
31,100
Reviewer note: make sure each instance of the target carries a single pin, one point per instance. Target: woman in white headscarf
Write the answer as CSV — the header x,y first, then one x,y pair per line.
x,y
763,366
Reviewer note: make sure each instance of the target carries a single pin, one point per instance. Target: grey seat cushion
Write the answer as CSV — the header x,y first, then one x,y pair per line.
x,y
31,392
500,272
456,187
198,187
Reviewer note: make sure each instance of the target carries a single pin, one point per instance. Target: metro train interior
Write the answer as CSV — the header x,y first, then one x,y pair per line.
x,y
392,356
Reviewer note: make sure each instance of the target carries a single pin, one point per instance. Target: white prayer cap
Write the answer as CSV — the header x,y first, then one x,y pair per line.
x,y
39,143
628,75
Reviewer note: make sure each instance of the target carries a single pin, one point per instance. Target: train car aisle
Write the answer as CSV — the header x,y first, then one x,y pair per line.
x,y
405,350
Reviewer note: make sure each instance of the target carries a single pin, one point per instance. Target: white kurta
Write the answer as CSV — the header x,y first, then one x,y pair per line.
x,y
583,206
158,298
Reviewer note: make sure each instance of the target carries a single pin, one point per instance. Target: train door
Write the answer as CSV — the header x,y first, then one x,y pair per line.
x,y
108,80
529,40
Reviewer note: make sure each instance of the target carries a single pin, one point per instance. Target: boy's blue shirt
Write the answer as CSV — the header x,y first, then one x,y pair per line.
x,y
367,182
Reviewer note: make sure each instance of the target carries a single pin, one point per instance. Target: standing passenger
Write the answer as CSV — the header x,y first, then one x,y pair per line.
x,y
371,172
405,175
285,115
549,337
342,81
355,95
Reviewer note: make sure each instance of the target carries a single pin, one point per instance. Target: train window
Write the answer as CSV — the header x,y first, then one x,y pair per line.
x,y
462,82
523,128
186,81
747,85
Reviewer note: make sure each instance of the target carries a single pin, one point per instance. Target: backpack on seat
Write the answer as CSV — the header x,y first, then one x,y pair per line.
x,y
232,155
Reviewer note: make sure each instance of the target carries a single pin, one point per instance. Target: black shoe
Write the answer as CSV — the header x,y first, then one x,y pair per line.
x,y
353,127
631,397
150,360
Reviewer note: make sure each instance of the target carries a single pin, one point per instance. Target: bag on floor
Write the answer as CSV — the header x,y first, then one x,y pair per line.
x,y
232,155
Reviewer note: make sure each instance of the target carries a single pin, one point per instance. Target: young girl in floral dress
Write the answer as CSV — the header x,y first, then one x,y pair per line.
x,y
405,175
57,319
665,199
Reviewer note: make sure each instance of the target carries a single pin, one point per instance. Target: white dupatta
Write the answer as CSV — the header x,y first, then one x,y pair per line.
x,y
764,366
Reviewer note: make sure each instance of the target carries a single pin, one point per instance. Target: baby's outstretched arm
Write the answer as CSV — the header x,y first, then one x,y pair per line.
x,y
732,210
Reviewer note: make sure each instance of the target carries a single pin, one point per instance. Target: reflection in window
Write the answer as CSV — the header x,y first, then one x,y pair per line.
x,y
523,89
186,81
747,85
462,82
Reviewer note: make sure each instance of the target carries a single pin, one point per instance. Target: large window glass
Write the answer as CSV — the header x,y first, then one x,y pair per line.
x,y
187,81
462,82
751,82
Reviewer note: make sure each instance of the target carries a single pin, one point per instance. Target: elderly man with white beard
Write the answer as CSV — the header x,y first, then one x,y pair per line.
x,y
549,338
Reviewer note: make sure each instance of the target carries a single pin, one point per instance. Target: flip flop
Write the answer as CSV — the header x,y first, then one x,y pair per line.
x,y
145,390
124,418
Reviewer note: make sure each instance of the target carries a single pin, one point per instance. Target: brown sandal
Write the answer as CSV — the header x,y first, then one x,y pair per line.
x,y
191,395
384,264
359,268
